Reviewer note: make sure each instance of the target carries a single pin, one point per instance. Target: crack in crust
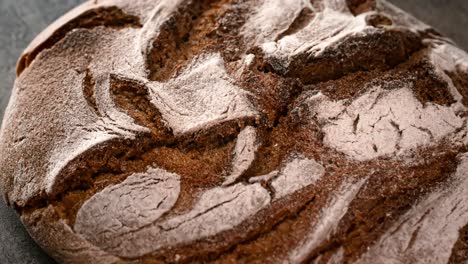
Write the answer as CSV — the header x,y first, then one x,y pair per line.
x,y
189,30
378,51
88,91
361,6
460,250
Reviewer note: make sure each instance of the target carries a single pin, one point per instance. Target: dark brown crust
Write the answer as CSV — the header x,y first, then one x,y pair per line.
x,y
370,215
460,80
365,222
360,6
88,91
460,250
382,50
374,209
417,70
391,188
184,36
198,27
378,20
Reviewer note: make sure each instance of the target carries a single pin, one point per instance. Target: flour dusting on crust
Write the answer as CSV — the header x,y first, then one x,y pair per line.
x,y
244,153
272,18
330,25
138,201
423,235
300,172
327,221
383,122
180,131
202,96
217,210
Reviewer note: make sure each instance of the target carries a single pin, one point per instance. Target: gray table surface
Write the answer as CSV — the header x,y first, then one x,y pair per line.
x,y
21,20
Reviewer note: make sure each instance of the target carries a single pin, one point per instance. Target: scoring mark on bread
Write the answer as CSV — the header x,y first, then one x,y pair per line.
x,y
326,45
123,231
133,97
177,32
327,221
460,249
422,77
424,227
88,91
124,225
361,6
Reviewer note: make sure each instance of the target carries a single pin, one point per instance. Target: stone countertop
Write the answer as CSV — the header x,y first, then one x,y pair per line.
x,y
21,20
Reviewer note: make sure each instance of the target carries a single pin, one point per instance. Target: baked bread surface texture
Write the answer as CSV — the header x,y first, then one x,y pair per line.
x,y
234,131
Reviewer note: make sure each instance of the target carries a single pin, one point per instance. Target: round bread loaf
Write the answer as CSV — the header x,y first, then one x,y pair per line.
x,y
233,131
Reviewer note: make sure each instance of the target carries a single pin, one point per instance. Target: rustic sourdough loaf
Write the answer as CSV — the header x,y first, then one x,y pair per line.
x,y
234,131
